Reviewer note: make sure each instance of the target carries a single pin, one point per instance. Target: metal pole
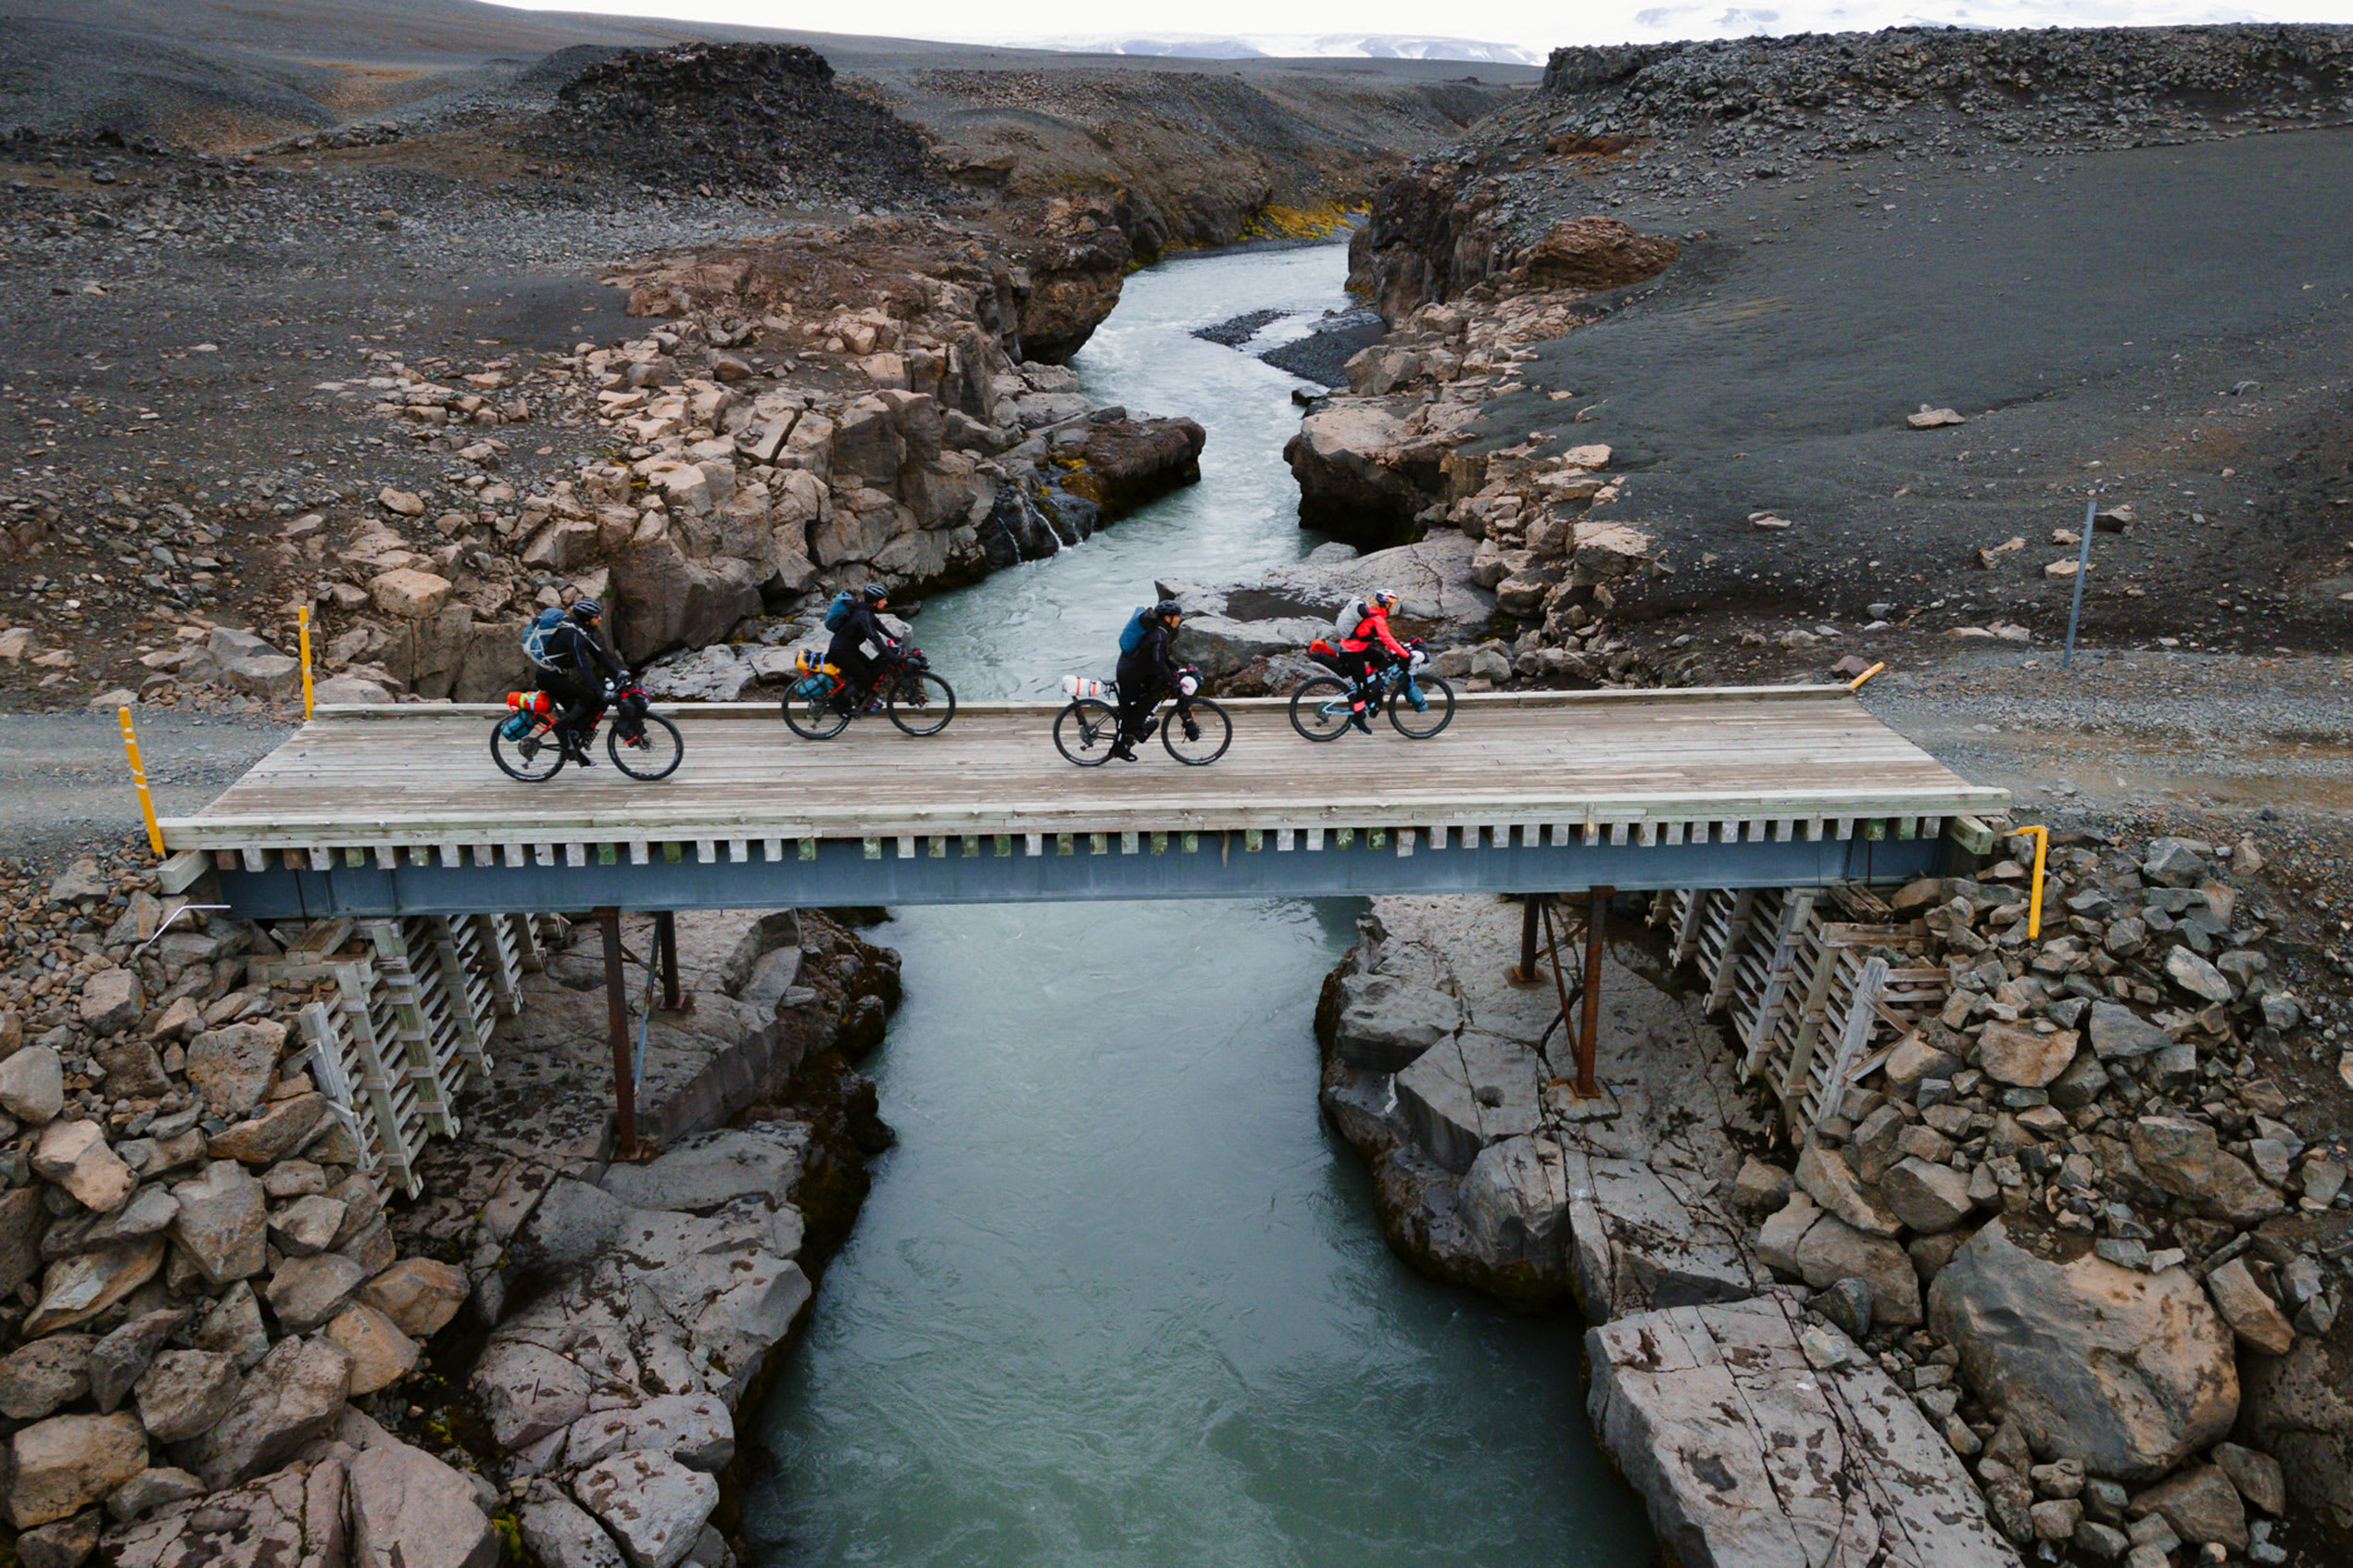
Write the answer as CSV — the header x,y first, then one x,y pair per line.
x,y
1589,1035
625,1089
666,954
302,622
139,782
1531,908
2083,570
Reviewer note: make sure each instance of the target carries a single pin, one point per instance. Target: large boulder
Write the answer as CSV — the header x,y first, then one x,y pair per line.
x,y
408,1510
1125,463
185,1392
222,1223
2299,1407
1385,1021
1350,484
1756,1440
663,600
1593,252
2129,1373
231,1068
654,1506
78,1288
420,1295
75,1155
293,1396
61,1466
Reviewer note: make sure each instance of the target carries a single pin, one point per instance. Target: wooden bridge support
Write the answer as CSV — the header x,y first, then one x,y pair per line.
x,y
624,1087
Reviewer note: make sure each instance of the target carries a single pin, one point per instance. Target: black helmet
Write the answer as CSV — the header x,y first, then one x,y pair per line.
x,y
1168,609
874,594
586,609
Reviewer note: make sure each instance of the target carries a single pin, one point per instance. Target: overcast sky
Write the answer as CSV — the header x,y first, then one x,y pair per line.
x,y
1529,25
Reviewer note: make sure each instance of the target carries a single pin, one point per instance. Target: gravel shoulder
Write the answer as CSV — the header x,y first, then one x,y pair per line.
x,y
65,784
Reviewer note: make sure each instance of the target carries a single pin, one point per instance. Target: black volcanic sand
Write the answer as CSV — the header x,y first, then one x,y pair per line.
x,y
2081,311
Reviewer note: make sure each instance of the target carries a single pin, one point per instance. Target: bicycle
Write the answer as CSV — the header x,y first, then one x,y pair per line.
x,y
642,744
1419,703
919,702
1086,730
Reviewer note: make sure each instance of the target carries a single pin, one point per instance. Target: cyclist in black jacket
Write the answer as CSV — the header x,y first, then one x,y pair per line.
x,y
577,667
860,629
1147,673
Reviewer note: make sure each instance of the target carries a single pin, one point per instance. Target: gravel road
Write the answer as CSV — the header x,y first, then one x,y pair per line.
x,y
65,786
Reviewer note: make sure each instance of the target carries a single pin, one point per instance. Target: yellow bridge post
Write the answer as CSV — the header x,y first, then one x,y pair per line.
x,y
139,782
2042,837
302,622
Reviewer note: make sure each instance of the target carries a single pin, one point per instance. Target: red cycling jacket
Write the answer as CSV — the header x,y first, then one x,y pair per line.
x,y
1373,628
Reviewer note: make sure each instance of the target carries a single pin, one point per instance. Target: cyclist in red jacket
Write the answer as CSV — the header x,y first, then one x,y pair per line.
x,y
1366,648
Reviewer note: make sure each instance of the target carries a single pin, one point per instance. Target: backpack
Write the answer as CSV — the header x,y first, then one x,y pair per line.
x,y
838,611
534,636
1351,616
1131,637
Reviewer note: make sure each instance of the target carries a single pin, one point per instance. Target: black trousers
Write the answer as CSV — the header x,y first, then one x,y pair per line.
x,y
581,700
1140,690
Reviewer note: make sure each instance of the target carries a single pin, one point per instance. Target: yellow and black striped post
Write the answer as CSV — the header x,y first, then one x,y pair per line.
x,y
302,623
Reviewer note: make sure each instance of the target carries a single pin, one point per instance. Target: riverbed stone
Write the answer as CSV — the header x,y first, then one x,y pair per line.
x,y
306,1292
32,1085
119,1359
2252,1314
2185,1157
695,1429
562,1534
233,1325
1831,1250
76,1157
273,1136
78,1288
420,1295
2019,1056
1387,1020
232,1067
185,1392
1832,1181
381,1355
2118,1033
2257,1475
705,1172
291,1397
111,1002
150,1489
37,1379
62,1465
1749,1453
2129,1373
654,1506
1928,1198
2201,1505
1464,1094
222,1223
23,1223
527,1392
408,1510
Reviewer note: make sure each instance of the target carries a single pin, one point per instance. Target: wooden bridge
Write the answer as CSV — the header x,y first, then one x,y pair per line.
x,y
399,810
396,817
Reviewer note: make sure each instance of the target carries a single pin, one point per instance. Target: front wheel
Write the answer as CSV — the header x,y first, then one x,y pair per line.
x,y
814,718
1197,731
921,703
1436,712
1320,708
531,758
1086,730
654,752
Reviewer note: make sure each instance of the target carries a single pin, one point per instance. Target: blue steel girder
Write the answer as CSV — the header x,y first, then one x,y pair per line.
x,y
1001,869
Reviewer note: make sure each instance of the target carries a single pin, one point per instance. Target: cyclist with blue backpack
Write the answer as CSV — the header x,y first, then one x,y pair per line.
x,y
571,665
1147,673
859,643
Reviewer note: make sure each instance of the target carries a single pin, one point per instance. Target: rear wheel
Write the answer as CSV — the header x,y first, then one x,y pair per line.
x,y
1436,712
1086,730
1320,708
1197,731
654,752
536,756
813,718
921,703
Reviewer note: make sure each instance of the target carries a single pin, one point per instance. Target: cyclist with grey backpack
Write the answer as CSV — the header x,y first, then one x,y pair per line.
x,y
573,665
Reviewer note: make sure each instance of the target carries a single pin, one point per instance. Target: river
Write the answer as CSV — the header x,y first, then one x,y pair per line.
x,y
1118,1297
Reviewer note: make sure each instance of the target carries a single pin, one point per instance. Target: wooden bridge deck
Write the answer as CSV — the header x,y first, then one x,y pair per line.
x,y
1701,766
